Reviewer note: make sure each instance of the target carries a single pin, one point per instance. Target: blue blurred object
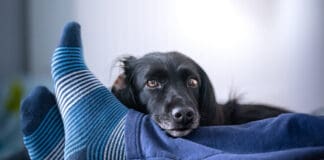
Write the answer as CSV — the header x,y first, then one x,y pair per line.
x,y
11,144
10,135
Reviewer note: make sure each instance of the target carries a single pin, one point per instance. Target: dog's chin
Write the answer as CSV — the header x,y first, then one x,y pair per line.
x,y
173,129
178,133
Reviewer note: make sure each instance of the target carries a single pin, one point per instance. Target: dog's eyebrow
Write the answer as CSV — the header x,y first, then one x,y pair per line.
x,y
156,72
187,70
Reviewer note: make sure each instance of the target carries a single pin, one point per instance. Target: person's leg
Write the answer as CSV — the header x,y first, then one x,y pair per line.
x,y
42,125
93,118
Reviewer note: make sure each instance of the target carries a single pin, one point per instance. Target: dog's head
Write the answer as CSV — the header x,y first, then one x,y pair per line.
x,y
171,88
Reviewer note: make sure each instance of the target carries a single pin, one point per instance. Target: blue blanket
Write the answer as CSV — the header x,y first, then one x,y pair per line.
x,y
289,136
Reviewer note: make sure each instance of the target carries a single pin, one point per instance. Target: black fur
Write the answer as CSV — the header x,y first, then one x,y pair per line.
x,y
176,106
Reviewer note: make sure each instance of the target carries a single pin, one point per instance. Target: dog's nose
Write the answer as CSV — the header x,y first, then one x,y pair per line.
x,y
183,115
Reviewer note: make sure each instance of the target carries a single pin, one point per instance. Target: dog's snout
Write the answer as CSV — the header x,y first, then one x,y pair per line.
x,y
183,115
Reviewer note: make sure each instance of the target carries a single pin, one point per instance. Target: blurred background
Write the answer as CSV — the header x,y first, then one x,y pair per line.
x,y
269,51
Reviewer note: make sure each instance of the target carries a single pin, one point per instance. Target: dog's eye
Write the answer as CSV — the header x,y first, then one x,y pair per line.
x,y
153,84
192,83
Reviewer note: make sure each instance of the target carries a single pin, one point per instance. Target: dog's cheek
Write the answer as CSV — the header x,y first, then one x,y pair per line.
x,y
155,108
156,118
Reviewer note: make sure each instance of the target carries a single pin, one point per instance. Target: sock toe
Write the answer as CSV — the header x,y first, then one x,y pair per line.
x,y
71,35
34,109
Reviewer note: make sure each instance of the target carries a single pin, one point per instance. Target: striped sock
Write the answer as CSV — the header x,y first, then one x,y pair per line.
x,y
93,118
42,125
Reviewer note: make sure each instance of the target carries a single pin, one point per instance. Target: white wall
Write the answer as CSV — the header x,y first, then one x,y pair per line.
x,y
45,22
271,51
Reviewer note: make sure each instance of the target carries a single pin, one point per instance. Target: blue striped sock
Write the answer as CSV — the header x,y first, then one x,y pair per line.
x,y
42,125
93,118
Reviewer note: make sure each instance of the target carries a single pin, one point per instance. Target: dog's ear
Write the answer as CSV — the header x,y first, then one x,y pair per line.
x,y
207,102
123,91
123,88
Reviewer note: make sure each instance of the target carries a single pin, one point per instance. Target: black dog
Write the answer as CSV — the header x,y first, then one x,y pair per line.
x,y
178,95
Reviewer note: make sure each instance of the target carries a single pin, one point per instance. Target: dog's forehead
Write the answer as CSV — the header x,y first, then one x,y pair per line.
x,y
164,66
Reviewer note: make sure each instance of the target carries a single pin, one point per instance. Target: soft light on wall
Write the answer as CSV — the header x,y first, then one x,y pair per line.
x,y
212,22
271,51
